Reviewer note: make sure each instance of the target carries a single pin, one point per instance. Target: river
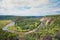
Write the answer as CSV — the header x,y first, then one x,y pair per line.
x,y
8,25
12,23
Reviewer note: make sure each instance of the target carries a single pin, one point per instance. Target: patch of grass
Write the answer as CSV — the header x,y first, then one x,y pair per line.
x,y
3,23
12,28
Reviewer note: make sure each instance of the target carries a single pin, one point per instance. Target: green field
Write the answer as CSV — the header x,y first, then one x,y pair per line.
x,y
4,22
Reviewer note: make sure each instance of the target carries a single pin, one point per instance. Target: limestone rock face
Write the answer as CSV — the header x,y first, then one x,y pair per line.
x,y
45,19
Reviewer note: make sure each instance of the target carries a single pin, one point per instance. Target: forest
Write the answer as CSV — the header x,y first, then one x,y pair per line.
x,y
25,24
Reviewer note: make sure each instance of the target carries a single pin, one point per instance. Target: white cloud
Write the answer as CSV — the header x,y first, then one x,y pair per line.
x,y
37,7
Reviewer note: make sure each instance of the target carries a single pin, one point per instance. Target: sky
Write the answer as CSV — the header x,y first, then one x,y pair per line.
x,y
29,7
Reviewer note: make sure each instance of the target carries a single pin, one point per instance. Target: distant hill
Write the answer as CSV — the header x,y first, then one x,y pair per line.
x,y
9,17
3,17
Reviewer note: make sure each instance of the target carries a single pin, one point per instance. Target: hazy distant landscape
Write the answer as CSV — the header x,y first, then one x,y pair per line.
x,y
30,27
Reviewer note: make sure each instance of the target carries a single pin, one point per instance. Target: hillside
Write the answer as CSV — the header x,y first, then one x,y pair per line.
x,y
22,24
52,31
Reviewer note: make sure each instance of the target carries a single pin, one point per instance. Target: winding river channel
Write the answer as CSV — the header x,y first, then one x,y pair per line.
x,y
12,23
8,25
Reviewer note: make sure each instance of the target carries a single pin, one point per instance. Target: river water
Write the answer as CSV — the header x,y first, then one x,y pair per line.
x,y
8,25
